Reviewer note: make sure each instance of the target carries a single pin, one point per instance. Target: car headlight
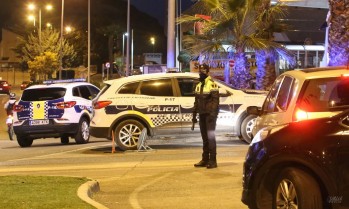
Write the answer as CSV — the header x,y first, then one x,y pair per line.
x,y
265,132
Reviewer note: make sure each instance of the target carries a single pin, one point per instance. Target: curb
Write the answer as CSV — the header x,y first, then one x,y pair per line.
x,y
86,191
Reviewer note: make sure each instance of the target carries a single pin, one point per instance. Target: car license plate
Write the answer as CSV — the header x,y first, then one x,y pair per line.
x,y
38,122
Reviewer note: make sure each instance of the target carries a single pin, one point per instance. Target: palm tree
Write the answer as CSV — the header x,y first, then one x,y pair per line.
x,y
233,22
338,38
266,26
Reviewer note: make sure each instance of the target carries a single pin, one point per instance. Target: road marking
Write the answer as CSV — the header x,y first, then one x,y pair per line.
x,y
134,195
57,153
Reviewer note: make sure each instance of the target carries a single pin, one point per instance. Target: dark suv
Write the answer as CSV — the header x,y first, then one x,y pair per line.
x,y
299,165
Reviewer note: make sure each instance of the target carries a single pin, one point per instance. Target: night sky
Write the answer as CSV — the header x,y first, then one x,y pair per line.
x,y
158,8
15,9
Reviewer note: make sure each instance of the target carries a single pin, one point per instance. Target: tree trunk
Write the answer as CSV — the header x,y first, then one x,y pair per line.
x,y
242,76
338,39
265,75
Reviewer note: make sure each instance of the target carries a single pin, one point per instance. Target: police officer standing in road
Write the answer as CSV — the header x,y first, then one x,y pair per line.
x,y
206,104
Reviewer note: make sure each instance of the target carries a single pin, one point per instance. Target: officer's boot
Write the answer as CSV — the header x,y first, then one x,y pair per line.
x,y
212,163
203,162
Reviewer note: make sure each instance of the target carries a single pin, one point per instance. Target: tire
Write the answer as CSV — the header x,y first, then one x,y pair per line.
x,y
83,134
246,128
304,190
127,134
24,142
65,139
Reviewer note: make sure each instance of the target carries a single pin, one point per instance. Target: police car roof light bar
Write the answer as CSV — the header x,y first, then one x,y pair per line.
x,y
65,81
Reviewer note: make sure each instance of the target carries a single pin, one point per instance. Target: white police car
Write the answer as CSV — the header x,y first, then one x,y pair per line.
x,y
61,108
164,102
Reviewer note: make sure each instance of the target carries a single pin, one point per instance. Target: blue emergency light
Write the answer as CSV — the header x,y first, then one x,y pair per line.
x,y
65,81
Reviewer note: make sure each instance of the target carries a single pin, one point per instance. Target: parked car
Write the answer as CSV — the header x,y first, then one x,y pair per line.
x,y
299,165
5,87
164,101
304,94
25,84
55,109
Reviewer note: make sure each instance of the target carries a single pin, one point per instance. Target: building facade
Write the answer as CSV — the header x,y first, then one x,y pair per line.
x,y
8,58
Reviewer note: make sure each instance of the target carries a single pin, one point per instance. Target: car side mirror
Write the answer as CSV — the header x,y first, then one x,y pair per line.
x,y
253,110
223,92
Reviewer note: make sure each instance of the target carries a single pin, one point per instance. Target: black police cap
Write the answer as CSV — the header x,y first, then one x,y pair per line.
x,y
204,67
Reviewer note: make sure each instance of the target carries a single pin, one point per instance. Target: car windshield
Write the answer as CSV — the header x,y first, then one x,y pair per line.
x,y
43,94
325,94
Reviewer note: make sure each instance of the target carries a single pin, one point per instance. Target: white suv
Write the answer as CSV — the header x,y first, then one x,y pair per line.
x,y
60,108
304,94
164,102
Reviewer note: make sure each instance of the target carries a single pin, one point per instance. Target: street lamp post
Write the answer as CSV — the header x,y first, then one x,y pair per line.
x,y
131,51
61,41
123,48
32,7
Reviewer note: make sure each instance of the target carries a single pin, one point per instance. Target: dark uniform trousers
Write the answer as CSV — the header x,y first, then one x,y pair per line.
x,y
207,124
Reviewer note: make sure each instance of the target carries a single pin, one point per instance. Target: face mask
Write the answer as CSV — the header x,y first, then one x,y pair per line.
x,y
202,76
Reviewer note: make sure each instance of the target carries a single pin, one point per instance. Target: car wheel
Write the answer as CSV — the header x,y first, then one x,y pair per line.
x,y
247,127
24,142
83,134
296,189
127,134
65,139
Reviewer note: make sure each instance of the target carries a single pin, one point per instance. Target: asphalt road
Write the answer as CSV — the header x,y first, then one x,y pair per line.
x,y
161,178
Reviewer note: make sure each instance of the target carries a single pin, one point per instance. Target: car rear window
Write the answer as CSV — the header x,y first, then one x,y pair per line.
x,y
43,94
325,94
129,88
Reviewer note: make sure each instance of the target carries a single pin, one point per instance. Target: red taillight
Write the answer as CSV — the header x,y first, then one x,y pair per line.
x,y
18,108
300,114
101,104
63,105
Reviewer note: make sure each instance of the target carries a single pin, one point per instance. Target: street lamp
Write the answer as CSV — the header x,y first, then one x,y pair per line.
x,y
32,18
68,29
32,7
152,41
49,25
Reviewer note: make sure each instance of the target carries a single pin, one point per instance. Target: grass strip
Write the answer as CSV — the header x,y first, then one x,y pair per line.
x,y
41,192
